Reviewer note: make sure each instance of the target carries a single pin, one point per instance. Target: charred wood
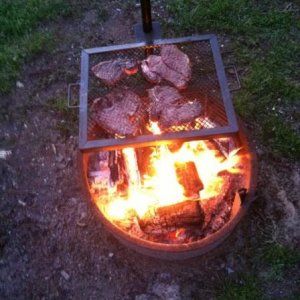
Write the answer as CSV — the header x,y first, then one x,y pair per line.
x,y
176,215
217,208
188,177
144,160
175,147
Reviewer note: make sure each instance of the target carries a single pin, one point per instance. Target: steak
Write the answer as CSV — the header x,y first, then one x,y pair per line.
x,y
119,112
160,98
148,72
179,114
173,66
170,108
112,71
176,60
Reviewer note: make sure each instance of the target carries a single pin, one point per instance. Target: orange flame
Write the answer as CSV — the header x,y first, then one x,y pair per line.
x,y
162,188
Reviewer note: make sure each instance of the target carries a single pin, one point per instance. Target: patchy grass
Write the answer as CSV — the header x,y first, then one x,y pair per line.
x,y
19,38
279,258
281,137
69,117
243,288
266,42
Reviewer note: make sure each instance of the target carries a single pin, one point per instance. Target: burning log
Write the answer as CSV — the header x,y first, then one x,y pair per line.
x,y
175,147
188,177
215,207
132,167
144,160
99,172
179,214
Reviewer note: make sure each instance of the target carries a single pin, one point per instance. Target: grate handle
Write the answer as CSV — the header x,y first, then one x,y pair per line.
x,y
70,93
238,87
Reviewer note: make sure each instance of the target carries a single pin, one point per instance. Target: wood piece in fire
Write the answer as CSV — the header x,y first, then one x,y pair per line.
x,y
175,146
214,205
119,112
188,177
184,213
112,71
144,161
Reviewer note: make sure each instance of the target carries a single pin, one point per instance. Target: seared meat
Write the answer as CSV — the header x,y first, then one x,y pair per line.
x,y
147,72
170,108
119,112
173,66
176,60
179,114
112,71
161,97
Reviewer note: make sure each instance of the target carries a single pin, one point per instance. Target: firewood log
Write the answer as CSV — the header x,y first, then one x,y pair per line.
x,y
179,214
188,177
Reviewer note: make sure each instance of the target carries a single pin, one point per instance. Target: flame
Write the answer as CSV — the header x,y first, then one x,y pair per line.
x,y
154,128
162,188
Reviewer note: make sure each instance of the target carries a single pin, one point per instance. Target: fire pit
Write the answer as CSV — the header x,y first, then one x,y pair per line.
x,y
187,228
163,157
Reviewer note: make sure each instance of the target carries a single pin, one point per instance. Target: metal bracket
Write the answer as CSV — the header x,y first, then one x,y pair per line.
x,y
242,193
70,87
236,77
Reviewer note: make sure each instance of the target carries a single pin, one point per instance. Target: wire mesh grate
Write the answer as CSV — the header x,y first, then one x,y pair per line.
x,y
204,87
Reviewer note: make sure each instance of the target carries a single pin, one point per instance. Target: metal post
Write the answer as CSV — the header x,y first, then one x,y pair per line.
x,y
147,31
146,15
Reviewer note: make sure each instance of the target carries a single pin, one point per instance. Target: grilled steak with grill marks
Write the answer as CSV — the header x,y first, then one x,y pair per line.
x,y
147,69
177,61
170,108
179,114
173,65
112,71
161,97
119,112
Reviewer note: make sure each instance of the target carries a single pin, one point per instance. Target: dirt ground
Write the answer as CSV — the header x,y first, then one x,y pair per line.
x,y
52,245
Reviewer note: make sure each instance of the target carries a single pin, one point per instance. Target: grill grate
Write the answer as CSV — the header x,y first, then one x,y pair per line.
x,y
208,85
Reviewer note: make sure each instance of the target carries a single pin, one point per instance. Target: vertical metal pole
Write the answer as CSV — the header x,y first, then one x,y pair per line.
x,y
146,15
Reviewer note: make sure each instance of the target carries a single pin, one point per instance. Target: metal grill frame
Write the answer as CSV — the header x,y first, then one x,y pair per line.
x,y
148,140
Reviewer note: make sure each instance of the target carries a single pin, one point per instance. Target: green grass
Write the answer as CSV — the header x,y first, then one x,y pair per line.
x,y
19,37
243,288
279,259
266,42
69,117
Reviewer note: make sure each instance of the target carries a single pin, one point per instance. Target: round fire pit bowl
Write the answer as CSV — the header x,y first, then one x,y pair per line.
x,y
241,204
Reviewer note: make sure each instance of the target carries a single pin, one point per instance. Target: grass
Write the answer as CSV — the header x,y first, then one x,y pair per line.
x,y
243,288
270,263
69,117
266,43
19,37
279,259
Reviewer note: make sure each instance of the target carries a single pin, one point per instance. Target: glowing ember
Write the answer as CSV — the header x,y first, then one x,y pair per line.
x,y
162,187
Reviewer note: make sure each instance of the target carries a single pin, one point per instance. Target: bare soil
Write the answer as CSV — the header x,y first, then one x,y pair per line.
x,y
52,245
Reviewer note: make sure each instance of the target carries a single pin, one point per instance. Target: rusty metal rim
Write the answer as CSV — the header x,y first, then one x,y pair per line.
x,y
184,251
